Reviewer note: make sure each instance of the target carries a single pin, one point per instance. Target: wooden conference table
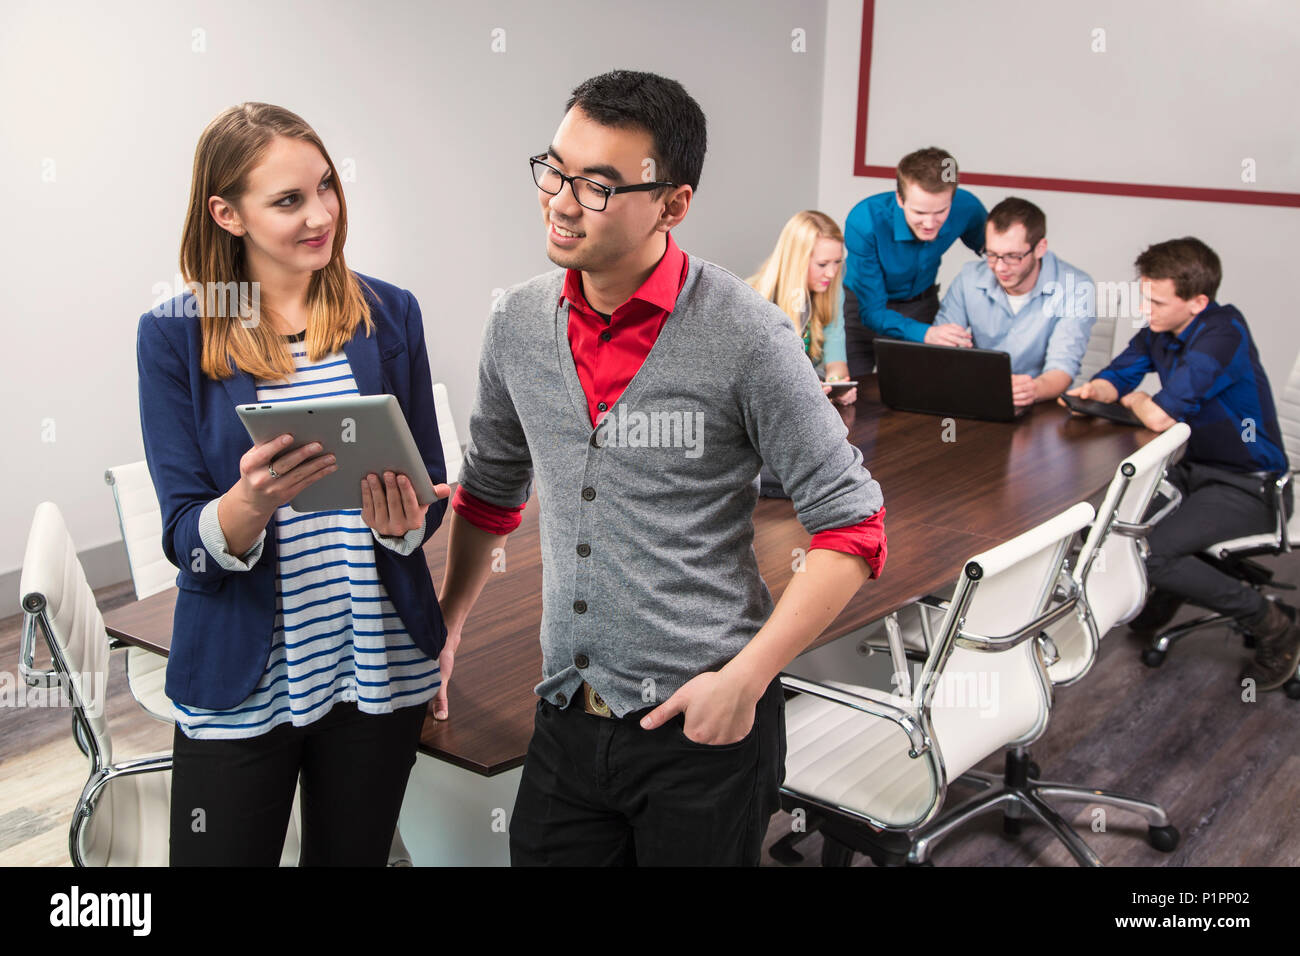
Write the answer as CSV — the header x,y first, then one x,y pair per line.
x,y
952,488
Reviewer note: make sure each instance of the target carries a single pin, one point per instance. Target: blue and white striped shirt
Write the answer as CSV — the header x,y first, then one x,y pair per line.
x,y
337,635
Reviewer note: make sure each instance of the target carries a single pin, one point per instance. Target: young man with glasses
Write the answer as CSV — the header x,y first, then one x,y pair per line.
x,y
893,243
1210,378
643,389
1024,301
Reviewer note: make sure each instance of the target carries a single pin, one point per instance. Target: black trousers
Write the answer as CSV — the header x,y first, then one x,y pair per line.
x,y
597,791
231,799
1217,505
858,338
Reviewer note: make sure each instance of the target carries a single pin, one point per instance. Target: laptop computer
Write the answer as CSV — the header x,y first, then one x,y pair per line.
x,y
944,380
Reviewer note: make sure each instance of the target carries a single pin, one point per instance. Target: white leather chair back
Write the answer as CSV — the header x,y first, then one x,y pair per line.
x,y
984,701
451,452
140,517
54,584
1288,415
1115,598
1099,351
1116,584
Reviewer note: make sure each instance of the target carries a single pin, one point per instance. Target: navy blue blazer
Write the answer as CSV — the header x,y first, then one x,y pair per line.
x,y
193,440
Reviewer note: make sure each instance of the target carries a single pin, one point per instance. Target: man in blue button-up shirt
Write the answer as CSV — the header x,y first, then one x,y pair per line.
x,y
893,243
1210,377
1024,301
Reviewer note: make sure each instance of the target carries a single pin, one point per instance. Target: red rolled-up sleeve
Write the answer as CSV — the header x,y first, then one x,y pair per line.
x,y
483,515
865,539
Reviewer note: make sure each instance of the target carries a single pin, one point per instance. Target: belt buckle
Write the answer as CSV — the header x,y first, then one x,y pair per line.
x,y
593,703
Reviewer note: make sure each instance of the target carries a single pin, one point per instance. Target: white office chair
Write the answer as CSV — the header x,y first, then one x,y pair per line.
x,y
140,519
122,815
451,451
875,768
1110,569
1235,556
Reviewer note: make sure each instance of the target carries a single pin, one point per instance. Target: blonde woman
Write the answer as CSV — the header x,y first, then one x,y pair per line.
x,y
802,276
305,646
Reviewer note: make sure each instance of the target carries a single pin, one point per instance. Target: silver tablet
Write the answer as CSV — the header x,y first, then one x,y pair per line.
x,y
364,433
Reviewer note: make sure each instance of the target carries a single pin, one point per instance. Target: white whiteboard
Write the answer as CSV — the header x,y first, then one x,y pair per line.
x,y
1182,93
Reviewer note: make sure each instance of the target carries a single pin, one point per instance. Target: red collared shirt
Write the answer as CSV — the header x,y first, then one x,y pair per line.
x,y
607,355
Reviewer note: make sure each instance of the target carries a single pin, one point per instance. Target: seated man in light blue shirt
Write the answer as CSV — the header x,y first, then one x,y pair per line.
x,y
1024,301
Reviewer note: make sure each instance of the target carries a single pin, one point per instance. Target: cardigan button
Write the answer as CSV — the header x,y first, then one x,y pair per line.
x,y
580,607
589,493
604,336
560,700
581,661
602,407
584,550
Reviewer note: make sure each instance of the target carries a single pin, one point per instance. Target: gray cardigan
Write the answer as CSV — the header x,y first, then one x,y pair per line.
x,y
649,574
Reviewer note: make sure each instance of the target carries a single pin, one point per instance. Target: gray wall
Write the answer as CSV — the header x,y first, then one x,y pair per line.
x,y
105,103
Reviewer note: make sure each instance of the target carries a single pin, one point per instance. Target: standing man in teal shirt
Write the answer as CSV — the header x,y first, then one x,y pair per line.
x,y
893,244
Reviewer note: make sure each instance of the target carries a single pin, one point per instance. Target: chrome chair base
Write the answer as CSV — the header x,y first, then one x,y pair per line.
x,y
1020,795
1164,641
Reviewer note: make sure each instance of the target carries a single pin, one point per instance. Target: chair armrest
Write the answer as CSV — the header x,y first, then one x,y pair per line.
x,y
1142,529
868,702
27,654
154,763
980,642
1279,505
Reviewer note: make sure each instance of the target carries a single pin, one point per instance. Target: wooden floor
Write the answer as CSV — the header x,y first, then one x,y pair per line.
x,y
1228,772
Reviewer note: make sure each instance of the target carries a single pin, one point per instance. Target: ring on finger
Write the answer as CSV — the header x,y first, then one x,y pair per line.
x,y
274,473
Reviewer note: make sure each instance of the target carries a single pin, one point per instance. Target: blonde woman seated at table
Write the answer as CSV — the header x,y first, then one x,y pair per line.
x,y
803,277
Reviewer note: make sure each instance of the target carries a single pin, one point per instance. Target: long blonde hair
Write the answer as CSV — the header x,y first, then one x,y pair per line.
x,y
230,147
783,276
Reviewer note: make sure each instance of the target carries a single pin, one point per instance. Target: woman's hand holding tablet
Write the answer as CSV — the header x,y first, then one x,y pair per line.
x,y
270,475
271,481
389,505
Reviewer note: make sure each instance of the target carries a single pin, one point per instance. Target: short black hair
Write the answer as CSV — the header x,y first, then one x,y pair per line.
x,y
662,107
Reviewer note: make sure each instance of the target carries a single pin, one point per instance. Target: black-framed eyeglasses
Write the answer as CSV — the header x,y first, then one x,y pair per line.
x,y
1010,258
589,193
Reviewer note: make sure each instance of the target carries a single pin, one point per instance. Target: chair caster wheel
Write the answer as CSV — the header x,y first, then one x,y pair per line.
x,y
1035,772
1011,826
835,854
1152,657
1292,688
1164,839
